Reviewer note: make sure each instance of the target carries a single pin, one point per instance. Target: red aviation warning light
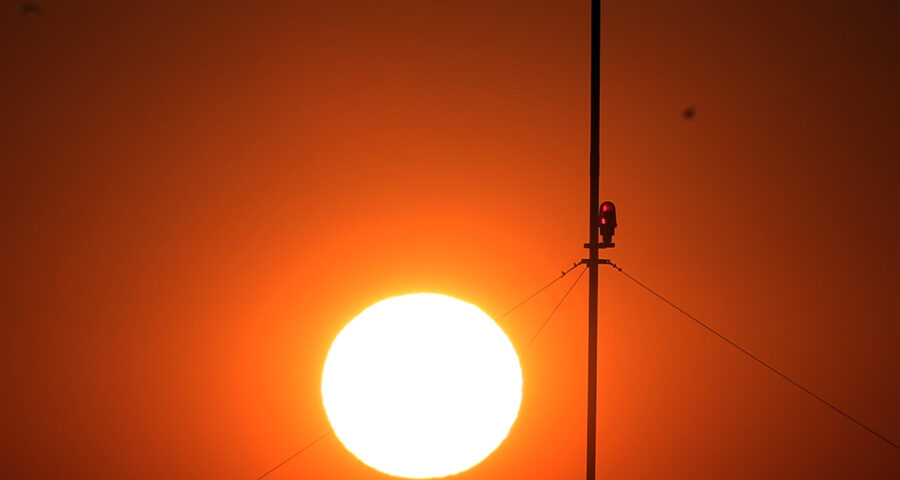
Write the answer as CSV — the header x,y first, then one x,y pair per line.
x,y
607,221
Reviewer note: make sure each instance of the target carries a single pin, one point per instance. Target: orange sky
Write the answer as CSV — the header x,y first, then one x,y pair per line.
x,y
197,196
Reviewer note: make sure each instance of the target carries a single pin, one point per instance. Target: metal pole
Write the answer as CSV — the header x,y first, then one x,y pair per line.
x,y
594,246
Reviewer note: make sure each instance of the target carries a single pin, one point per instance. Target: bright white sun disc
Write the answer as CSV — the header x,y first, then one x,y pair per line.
x,y
422,385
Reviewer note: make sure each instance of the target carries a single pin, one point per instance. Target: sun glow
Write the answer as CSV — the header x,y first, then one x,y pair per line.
x,y
422,386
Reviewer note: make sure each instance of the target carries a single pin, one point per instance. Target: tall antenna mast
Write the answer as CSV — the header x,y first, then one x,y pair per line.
x,y
602,221
594,245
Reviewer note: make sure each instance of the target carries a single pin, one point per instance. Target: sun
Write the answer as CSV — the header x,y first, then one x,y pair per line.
x,y
422,385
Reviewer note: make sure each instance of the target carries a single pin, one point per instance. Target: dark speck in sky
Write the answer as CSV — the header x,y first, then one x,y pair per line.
x,y
689,113
30,8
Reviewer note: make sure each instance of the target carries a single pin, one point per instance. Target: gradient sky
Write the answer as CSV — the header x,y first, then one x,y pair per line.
x,y
197,196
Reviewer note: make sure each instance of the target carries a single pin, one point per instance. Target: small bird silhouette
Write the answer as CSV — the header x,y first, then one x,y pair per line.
x,y
689,113
30,8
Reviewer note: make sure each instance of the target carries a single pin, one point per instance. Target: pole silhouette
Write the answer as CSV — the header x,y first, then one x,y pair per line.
x,y
593,246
